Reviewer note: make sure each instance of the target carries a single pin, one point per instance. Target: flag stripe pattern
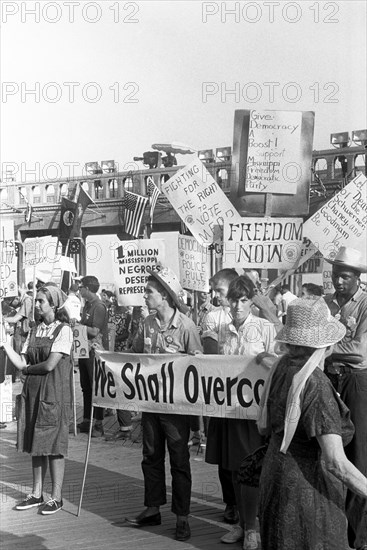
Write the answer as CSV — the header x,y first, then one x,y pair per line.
x,y
134,211
153,193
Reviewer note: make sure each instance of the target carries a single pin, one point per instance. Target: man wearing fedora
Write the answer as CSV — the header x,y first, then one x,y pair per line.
x,y
167,330
347,370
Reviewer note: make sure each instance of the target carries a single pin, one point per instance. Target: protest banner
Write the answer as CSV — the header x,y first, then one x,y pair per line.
x,y
341,221
274,153
80,342
194,260
199,201
209,385
8,263
42,253
129,263
262,243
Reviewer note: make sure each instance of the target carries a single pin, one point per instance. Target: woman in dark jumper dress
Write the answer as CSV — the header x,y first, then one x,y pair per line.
x,y
43,418
305,471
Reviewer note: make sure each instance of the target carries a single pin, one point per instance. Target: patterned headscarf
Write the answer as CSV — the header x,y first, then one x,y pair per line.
x,y
57,295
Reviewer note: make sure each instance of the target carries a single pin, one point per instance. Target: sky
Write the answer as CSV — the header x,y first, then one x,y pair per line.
x,y
112,78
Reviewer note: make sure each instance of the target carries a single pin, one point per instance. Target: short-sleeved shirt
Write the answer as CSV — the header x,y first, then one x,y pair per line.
x,y
214,325
254,336
25,311
95,315
180,336
73,305
63,340
352,349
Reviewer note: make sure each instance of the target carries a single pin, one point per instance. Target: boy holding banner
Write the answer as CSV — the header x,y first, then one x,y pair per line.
x,y
168,330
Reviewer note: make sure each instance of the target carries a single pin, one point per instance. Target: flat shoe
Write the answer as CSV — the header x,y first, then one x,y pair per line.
x,y
183,531
143,520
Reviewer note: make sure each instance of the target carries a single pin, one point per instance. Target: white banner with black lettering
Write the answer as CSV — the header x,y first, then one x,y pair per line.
x,y
208,385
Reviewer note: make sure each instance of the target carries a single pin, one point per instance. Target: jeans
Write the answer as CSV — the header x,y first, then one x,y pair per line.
x,y
352,387
124,418
86,381
173,429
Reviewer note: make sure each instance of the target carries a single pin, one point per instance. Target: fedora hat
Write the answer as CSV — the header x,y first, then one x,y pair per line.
x,y
310,323
169,280
349,257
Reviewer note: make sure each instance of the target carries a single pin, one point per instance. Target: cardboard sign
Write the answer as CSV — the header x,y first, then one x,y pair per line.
x,y
194,262
8,260
274,154
80,342
130,261
341,221
327,282
208,385
199,201
262,243
42,254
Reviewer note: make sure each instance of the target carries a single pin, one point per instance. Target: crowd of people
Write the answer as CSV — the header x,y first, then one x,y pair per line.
x,y
312,422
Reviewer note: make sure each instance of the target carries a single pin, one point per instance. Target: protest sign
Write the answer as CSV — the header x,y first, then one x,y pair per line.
x,y
327,282
341,221
194,262
262,243
199,201
209,385
274,154
80,342
42,254
8,263
312,264
129,263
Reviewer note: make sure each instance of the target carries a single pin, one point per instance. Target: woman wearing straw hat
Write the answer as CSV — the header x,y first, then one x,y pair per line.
x,y
305,469
43,422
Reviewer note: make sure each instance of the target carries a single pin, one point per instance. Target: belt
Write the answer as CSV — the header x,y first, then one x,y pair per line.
x,y
341,369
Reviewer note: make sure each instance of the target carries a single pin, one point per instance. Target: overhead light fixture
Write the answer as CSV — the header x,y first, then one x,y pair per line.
x,y
108,166
169,160
340,139
223,153
93,168
152,159
359,137
206,155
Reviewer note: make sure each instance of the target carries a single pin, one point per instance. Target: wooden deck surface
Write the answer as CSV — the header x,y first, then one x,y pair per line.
x,y
114,490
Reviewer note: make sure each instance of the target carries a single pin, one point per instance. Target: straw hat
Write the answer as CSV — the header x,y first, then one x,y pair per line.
x,y
310,323
349,257
169,280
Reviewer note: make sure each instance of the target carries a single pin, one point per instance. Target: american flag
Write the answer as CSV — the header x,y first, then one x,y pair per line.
x,y
134,211
153,193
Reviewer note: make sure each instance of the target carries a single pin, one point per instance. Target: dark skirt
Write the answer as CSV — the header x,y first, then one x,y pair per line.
x,y
230,441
